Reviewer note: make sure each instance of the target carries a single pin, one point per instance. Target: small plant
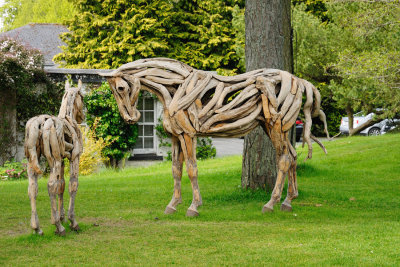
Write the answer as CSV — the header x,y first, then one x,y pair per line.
x,y
13,170
92,157
204,150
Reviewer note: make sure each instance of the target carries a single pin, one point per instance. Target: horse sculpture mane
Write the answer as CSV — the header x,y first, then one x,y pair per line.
x,y
201,103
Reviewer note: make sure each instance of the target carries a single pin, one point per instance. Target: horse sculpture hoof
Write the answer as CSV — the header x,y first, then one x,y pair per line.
x,y
192,213
286,207
38,231
75,228
267,209
60,233
169,210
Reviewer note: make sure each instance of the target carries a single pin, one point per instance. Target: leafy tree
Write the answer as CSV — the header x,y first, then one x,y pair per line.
x,y
103,116
17,13
369,62
109,33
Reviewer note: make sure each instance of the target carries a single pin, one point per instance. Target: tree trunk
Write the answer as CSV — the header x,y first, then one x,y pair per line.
x,y
268,45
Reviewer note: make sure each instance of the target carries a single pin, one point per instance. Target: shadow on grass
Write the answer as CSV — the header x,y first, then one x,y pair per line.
x,y
49,236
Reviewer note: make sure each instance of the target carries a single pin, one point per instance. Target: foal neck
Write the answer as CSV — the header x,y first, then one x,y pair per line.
x,y
69,106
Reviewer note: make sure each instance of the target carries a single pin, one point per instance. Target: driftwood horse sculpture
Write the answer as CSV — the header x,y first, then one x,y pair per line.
x,y
56,138
200,103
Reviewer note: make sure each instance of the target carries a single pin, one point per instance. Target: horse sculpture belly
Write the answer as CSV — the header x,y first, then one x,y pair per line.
x,y
199,103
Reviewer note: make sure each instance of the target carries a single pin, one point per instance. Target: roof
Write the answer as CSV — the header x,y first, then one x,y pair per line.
x,y
41,36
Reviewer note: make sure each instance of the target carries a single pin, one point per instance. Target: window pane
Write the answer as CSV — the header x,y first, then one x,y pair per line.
x,y
140,133
149,116
149,104
139,143
148,142
148,130
140,104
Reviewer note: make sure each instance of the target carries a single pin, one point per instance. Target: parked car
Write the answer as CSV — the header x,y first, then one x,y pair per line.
x,y
378,128
299,129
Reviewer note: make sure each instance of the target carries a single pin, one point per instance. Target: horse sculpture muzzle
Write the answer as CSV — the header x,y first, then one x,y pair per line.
x,y
126,97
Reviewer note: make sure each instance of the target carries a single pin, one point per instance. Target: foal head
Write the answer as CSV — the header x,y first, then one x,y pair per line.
x,y
72,103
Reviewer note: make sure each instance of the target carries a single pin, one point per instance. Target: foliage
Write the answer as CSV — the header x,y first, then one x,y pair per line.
x,y
17,13
204,149
107,34
13,170
92,157
21,70
354,57
103,116
21,73
369,61
316,7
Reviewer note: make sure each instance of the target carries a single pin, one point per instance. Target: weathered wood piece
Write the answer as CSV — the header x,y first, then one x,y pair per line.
x,y
57,138
200,103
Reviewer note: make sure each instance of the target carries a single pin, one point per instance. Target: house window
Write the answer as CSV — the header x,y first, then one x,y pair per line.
x,y
146,123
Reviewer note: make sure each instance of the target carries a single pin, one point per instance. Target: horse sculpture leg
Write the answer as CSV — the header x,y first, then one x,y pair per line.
x,y
177,162
188,145
281,144
292,191
61,194
54,188
73,188
32,192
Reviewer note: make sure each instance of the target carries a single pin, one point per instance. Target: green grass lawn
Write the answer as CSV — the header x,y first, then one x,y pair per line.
x,y
347,213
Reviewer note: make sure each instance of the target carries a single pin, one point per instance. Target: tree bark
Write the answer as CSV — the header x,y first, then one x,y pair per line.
x,y
268,45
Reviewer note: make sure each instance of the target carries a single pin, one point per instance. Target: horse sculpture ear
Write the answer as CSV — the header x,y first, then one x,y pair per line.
x,y
66,85
79,84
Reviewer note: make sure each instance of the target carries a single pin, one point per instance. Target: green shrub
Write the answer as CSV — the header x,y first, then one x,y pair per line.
x,y
121,137
204,149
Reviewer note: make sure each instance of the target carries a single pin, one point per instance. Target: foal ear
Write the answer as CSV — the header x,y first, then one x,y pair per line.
x,y
67,85
79,84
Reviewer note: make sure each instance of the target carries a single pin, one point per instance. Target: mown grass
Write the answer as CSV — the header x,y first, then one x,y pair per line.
x,y
347,213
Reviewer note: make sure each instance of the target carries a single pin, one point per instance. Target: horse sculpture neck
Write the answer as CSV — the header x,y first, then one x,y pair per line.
x,y
72,104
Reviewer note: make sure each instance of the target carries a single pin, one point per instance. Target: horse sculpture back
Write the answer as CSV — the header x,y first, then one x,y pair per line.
x,y
56,138
200,103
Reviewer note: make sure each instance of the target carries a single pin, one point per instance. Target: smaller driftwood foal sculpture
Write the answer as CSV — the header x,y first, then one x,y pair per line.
x,y
200,103
56,138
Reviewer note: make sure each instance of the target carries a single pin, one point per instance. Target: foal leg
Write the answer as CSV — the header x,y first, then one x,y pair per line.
x,y
73,188
188,145
177,162
32,193
54,189
61,194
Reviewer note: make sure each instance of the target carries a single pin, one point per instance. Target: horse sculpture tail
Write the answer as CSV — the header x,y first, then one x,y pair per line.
x,y
312,109
31,142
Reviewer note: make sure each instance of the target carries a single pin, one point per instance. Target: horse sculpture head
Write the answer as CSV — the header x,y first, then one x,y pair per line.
x,y
72,103
126,94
